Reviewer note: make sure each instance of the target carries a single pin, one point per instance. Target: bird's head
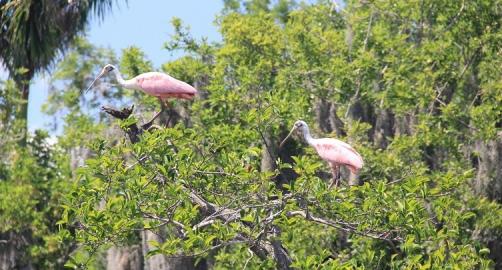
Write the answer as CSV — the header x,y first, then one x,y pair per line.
x,y
299,126
106,69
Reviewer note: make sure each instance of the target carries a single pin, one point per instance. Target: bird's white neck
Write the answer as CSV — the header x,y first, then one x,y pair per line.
x,y
118,76
306,135
129,84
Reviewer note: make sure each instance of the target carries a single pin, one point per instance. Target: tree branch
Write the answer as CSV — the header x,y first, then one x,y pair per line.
x,y
386,236
261,248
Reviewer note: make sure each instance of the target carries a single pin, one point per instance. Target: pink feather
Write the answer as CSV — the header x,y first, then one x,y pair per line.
x,y
163,86
337,153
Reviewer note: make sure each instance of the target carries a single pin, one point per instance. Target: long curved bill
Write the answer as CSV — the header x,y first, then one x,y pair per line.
x,y
93,82
287,137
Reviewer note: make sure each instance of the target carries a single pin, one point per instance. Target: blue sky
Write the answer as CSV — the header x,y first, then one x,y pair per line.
x,y
143,23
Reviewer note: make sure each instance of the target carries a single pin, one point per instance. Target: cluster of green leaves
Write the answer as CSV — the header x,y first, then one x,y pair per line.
x,y
432,65
128,188
33,181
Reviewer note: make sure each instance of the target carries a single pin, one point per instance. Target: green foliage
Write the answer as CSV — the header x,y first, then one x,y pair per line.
x,y
253,87
274,65
428,69
32,185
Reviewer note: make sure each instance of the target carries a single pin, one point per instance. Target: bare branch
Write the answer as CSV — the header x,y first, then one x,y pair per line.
x,y
223,244
386,236
214,173
179,225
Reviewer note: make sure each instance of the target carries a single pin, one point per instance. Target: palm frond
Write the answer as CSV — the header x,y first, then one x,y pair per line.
x,y
34,32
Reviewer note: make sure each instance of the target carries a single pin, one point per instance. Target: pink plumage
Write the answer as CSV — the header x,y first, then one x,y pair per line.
x,y
333,151
156,84
164,86
338,153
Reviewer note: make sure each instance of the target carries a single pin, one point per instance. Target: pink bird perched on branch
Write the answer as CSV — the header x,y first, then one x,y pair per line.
x,y
335,152
156,84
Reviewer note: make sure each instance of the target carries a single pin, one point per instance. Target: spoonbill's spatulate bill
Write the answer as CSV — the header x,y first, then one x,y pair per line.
x,y
333,151
156,84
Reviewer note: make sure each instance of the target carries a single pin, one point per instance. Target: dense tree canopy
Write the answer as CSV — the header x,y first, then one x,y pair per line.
x,y
414,86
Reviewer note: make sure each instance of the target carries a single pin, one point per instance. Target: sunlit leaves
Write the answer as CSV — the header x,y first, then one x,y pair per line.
x,y
414,210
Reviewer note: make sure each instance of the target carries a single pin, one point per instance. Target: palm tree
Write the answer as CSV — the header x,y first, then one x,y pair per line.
x,y
34,32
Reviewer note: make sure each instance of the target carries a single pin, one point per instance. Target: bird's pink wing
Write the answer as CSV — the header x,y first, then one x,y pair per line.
x,y
337,152
162,85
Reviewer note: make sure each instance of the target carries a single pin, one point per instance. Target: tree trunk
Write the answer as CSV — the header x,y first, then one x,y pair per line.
x,y
124,258
327,118
384,128
488,183
404,125
362,112
13,247
335,121
23,83
158,261
322,115
22,113
161,262
269,153
7,251
268,163
489,175
78,155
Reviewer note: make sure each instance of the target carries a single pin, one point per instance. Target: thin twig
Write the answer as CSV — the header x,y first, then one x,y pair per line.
x,y
337,225
232,242
216,173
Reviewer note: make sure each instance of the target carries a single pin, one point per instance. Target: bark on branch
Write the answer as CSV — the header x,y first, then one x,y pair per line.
x,y
132,130
262,248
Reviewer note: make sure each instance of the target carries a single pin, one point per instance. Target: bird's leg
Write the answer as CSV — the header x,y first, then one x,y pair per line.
x,y
163,104
335,170
171,112
148,124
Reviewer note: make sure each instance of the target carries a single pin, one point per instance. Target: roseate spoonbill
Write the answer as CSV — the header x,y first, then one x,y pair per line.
x,y
156,84
335,152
